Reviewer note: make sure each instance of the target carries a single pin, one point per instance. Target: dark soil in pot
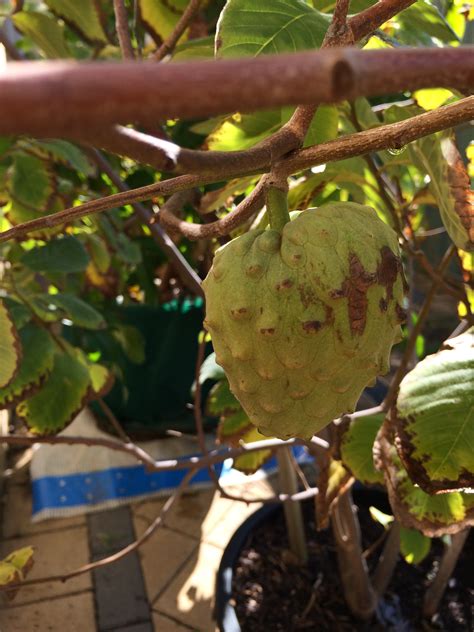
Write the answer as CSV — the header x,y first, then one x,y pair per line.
x,y
272,594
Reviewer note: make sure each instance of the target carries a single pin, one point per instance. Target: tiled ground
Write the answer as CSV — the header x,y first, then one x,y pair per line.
x,y
178,564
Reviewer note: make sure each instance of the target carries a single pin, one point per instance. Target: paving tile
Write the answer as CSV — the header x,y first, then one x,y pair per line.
x,y
229,523
120,594
194,514
164,624
74,613
189,597
55,554
162,556
17,514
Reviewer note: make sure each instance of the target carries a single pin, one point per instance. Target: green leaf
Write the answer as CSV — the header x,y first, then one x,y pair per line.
x,y
45,31
82,15
37,361
10,348
221,400
99,252
161,16
249,28
233,427
101,380
423,19
61,398
77,310
68,154
356,448
414,546
201,48
15,567
127,250
435,418
132,342
66,254
30,181
249,463
438,157
241,131
435,515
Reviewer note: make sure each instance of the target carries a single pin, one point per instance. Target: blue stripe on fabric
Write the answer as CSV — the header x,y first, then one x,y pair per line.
x,y
92,488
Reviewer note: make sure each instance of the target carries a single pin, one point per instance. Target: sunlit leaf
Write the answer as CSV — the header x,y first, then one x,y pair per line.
x,y
161,16
210,370
10,348
439,159
422,21
252,461
15,567
68,154
248,28
414,546
221,400
61,398
31,182
356,448
415,509
432,98
37,361
45,31
82,15
435,418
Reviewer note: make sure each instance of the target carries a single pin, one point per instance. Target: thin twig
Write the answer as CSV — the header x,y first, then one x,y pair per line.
x,y
121,22
168,45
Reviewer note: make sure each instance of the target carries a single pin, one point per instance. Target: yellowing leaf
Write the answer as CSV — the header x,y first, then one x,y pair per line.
x,y
10,348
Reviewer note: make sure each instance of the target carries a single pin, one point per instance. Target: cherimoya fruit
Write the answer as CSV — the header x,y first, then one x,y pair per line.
x,y
302,320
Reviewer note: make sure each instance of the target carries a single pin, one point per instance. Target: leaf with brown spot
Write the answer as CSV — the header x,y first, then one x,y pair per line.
x,y
434,516
10,348
434,418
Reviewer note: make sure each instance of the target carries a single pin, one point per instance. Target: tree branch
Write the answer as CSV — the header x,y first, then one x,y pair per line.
x,y
94,96
366,22
121,22
168,45
395,135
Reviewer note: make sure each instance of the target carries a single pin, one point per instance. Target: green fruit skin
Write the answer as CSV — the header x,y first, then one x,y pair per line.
x,y
301,321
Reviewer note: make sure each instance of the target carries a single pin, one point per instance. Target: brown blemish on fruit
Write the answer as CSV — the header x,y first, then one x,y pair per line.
x,y
355,289
401,314
286,284
269,331
307,295
239,313
312,326
383,305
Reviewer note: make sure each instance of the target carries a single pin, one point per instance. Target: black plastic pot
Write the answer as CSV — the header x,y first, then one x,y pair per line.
x,y
224,611
226,617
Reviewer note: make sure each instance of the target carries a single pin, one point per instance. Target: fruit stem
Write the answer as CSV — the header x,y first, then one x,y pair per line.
x,y
277,208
